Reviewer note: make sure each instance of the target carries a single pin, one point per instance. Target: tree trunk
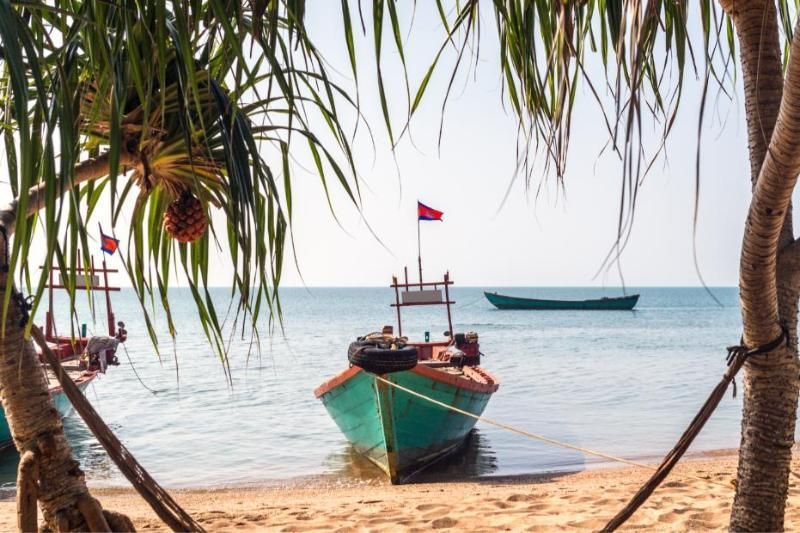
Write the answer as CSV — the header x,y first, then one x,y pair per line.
x,y
767,292
33,419
87,170
36,425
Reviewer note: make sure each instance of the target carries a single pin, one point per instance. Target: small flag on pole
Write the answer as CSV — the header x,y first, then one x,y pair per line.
x,y
108,243
427,213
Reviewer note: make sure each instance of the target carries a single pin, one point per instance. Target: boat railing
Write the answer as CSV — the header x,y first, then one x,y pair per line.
x,y
414,294
96,282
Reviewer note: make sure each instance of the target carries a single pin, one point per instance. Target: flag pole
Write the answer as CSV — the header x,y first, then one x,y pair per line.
x,y
419,253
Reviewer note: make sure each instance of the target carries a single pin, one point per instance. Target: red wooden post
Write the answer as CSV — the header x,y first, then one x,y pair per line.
x,y
112,332
397,301
447,299
48,321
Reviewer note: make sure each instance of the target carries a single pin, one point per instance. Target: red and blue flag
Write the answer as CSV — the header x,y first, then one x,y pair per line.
x,y
427,213
108,243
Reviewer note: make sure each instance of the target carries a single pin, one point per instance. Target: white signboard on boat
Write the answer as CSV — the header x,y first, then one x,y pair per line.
x,y
430,296
80,281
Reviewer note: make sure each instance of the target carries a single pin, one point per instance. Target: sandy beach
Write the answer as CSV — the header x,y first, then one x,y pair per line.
x,y
696,496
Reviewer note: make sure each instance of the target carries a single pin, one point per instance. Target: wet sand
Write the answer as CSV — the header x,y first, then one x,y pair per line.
x,y
696,496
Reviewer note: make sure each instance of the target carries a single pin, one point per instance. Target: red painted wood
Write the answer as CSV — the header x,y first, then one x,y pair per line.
x,y
475,379
412,285
83,378
336,380
487,384
421,303
99,289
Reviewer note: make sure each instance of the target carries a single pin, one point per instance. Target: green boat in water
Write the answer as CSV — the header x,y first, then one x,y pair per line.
x,y
621,303
62,404
398,403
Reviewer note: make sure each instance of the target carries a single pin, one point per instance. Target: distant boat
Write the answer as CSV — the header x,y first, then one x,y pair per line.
x,y
621,303
378,403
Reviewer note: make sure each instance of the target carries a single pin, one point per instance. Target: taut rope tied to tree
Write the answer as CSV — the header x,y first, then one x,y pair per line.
x,y
737,356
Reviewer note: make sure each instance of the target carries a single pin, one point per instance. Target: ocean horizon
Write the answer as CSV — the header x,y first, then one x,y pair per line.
x,y
624,383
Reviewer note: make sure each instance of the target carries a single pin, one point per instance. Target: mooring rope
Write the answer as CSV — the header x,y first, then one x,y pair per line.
x,y
536,436
737,356
133,367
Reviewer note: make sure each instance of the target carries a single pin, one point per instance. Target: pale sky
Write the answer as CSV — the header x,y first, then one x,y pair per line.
x,y
557,239
562,237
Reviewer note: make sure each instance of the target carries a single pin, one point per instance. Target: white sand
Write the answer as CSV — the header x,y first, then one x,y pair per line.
x,y
579,501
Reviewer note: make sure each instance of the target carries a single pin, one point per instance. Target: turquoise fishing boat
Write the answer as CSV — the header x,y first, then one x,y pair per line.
x,y
404,405
82,357
621,303
82,378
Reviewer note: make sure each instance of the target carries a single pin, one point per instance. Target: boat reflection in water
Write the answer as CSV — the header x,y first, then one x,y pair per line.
x,y
474,460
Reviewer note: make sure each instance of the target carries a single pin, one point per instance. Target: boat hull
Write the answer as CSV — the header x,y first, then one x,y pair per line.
x,y
60,400
398,431
623,303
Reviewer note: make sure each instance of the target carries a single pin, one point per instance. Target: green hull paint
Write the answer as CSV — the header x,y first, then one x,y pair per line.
x,y
623,303
397,431
61,402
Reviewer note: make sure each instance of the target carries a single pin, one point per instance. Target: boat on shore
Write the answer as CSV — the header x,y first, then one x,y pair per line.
x,y
620,303
398,404
83,357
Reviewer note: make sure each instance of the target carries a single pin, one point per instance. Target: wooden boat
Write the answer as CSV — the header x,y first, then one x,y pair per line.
x,y
622,303
389,417
82,357
81,377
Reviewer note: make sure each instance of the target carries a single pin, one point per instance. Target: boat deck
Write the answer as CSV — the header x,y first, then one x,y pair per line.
x,y
76,374
472,373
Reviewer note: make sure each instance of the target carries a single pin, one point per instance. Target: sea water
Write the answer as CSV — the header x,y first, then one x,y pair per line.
x,y
622,382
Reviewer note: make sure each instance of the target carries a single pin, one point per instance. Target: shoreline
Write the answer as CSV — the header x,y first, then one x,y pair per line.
x,y
697,495
370,476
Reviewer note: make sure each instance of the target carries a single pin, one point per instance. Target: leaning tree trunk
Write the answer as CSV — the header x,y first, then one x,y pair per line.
x,y
35,423
767,293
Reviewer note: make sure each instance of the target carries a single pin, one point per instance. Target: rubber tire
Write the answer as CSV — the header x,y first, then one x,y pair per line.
x,y
381,360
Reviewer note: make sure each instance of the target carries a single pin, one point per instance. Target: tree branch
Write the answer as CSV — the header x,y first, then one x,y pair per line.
x,y
87,170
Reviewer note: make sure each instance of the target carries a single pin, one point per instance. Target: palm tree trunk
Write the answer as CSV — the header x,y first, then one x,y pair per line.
x,y
770,380
33,419
756,23
36,425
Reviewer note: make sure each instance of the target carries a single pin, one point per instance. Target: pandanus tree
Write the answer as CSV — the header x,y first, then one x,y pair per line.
x,y
165,112
180,114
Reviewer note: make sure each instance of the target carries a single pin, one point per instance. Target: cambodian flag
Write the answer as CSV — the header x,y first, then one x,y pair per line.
x,y
108,243
427,213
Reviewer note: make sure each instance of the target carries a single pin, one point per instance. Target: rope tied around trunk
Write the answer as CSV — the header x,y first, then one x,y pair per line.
x,y
736,358
24,304
742,352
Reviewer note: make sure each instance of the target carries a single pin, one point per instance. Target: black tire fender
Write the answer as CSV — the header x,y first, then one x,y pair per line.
x,y
379,360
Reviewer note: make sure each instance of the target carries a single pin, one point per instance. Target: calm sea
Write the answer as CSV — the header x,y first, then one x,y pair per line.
x,y
625,383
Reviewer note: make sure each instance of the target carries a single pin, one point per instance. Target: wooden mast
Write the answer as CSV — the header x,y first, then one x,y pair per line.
x,y
447,300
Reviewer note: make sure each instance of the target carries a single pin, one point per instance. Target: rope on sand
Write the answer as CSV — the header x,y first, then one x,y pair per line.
x,y
536,436
737,356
